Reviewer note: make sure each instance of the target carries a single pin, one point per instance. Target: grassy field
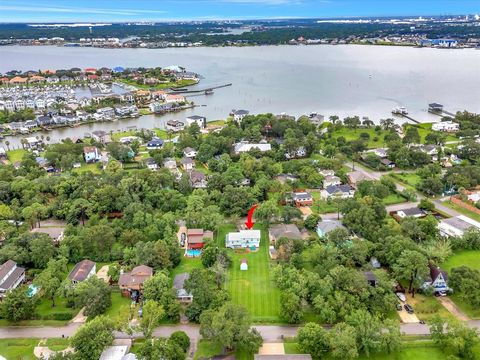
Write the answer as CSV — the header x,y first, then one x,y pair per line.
x,y
216,123
207,350
410,179
376,138
253,288
186,265
470,258
22,349
426,128
410,350
88,167
162,134
18,349
461,210
16,155
393,199
120,306
426,307
166,85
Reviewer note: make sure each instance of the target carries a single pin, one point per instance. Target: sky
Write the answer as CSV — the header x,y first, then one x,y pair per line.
x,y
157,10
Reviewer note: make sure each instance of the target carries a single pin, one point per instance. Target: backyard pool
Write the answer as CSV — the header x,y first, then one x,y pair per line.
x,y
193,253
32,290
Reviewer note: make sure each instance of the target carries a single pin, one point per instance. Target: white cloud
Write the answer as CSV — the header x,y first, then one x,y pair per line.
x,y
78,10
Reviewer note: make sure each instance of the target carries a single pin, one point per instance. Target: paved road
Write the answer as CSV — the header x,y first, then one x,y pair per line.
x,y
270,333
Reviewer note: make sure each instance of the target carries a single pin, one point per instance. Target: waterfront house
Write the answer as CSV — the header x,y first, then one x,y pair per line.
x,y
44,120
457,226
198,180
289,231
447,126
82,271
9,105
33,143
20,104
106,113
244,146
159,95
337,192
131,283
174,98
189,152
40,103
11,276
53,79
326,226
175,125
187,163
91,154
316,118
243,239
201,121
302,198
155,143
331,180
238,115
100,136
30,103
179,285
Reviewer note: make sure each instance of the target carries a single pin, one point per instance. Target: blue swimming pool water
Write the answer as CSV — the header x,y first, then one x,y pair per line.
x,y
193,253
32,290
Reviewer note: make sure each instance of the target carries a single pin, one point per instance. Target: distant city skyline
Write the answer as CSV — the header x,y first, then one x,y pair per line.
x,y
168,10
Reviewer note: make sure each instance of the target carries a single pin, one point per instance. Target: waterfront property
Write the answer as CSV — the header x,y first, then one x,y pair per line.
x,y
244,239
201,121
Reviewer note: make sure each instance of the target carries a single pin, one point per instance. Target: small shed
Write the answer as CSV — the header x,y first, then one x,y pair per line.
x,y
243,264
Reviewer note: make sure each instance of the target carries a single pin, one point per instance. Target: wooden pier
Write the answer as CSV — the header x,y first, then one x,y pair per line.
x,y
408,117
206,91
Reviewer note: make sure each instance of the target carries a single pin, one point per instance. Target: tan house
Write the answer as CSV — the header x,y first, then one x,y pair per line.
x,y
131,283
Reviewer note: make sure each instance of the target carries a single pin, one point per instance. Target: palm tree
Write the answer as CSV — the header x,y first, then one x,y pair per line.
x,y
8,144
47,138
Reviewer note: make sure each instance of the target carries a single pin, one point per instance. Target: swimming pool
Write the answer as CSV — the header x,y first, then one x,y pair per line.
x,y
193,253
32,290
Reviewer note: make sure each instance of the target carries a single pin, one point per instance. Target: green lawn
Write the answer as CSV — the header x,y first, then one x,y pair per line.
x,y
408,178
120,306
166,85
187,265
375,140
207,350
216,123
426,128
57,344
470,258
45,309
16,155
18,349
410,350
162,134
393,199
254,288
462,210
88,167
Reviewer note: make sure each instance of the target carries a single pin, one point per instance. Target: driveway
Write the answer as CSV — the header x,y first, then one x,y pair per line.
x,y
452,308
407,318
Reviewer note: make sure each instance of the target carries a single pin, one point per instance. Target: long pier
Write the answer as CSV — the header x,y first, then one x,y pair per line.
x,y
408,117
206,90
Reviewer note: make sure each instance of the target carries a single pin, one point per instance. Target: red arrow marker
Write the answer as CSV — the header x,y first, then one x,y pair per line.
x,y
249,222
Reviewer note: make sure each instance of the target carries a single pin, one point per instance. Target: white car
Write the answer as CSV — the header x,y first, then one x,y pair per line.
x,y
401,296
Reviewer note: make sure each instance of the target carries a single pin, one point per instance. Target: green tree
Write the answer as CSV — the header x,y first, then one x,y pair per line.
x,y
41,250
93,294
16,305
455,337
411,266
291,307
93,337
229,327
152,313
342,340
313,340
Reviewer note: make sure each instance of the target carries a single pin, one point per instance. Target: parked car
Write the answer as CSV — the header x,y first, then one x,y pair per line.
x,y
401,296
408,308
399,307
440,293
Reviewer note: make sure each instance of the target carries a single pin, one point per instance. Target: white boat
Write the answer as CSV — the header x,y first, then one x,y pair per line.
x,y
399,110
401,296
